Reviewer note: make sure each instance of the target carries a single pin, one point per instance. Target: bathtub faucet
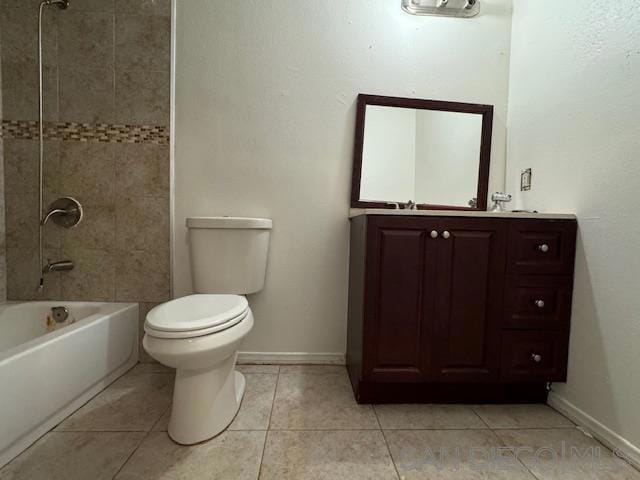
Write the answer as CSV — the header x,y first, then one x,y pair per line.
x,y
63,266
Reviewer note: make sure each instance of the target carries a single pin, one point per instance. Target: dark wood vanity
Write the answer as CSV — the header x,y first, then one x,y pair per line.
x,y
458,308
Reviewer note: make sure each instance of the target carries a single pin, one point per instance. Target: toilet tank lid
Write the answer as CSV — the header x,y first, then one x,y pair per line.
x,y
229,222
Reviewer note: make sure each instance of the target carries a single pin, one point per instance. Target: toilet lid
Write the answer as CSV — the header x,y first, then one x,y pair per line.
x,y
197,312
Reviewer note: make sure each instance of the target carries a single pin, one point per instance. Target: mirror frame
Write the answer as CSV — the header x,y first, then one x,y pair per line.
x,y
485,146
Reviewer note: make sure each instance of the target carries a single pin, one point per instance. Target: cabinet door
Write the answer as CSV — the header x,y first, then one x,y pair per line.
x,y
468,304
400,269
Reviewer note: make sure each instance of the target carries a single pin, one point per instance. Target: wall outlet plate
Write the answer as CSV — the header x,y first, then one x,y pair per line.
x,y
525,180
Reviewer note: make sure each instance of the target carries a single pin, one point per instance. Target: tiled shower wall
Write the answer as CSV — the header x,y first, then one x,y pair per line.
x,y
107,114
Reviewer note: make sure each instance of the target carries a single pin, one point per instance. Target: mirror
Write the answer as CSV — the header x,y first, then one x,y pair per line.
x,y
433,153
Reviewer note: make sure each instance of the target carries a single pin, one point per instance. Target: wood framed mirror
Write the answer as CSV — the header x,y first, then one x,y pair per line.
x,y
433,153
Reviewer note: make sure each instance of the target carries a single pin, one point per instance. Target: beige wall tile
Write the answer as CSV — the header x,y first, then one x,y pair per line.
x,y
86,94
20,90
142,170
23,274
142,97
142,276
96,231
19,27
85,39
143,42
88,172
93,277
144,7
21,159
91,5
142,223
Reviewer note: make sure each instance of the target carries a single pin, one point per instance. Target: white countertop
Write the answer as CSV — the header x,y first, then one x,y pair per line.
x,y
354,212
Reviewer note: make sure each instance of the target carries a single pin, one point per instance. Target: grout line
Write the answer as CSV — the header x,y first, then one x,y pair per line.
x,y
478,415
386,443
515,456
266,434
144,437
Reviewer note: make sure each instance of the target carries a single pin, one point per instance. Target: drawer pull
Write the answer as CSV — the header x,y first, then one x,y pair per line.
x,y
544,248
539,303
536,357
445,234
434,234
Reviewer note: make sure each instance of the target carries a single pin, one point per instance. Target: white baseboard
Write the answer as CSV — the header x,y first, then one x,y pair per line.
x,y
601,432
288,358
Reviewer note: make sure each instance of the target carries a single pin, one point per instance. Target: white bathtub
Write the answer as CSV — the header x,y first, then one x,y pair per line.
x,y
44,376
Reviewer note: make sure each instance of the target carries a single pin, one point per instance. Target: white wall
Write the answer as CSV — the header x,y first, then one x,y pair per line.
x,y
389,154
573,117
447,157
264,121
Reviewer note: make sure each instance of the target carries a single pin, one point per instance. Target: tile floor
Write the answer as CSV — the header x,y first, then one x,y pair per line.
x,y
301,422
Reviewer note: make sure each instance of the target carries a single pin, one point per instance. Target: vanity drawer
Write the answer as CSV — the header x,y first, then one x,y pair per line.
x,y
534,356
541,247
537,302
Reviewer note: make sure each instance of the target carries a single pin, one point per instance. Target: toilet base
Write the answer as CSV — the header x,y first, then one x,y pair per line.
x,y
205,402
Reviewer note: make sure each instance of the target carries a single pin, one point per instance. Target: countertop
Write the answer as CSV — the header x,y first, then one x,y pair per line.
x,y
355,212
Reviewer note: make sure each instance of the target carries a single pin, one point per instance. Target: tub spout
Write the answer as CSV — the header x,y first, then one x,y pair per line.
x,y
63,266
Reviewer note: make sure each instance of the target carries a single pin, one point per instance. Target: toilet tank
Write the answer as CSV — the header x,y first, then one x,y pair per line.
x,y
228,254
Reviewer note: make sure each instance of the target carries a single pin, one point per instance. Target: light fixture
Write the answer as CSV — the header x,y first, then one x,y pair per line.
x,y
442,8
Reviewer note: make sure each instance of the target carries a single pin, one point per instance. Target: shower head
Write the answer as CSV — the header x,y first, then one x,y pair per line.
x,y
61,4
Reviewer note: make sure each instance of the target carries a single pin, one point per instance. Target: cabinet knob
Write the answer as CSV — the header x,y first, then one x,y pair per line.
x,y
434,234
544,248
536,357
445,234
539,303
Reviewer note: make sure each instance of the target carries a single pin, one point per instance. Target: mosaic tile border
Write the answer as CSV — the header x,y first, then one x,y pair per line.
x,y
86,132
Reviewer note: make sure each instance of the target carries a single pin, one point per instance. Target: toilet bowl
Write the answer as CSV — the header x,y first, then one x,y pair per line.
x,y
199,335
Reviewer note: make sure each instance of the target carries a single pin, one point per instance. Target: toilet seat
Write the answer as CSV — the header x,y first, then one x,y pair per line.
x,y
196,315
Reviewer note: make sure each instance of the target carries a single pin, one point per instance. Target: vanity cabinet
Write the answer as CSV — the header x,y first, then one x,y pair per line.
x,y
455,309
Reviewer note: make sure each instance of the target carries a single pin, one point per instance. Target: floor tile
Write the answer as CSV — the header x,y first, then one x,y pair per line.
x,y
131,403
73,455
565,454
452,455
258,368
416,416
325,455
229,456
313,369
318,401
522,416
255,408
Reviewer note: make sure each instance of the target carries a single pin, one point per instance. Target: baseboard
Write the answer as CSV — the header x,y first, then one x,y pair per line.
x,y
288,358
601,432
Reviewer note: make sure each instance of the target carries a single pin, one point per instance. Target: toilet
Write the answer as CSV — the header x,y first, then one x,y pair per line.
x,y
199,335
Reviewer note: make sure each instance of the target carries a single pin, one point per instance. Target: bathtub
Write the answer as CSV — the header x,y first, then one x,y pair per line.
x,y
45,376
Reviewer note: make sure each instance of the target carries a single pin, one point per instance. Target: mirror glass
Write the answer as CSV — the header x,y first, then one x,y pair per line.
x,y
433,157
